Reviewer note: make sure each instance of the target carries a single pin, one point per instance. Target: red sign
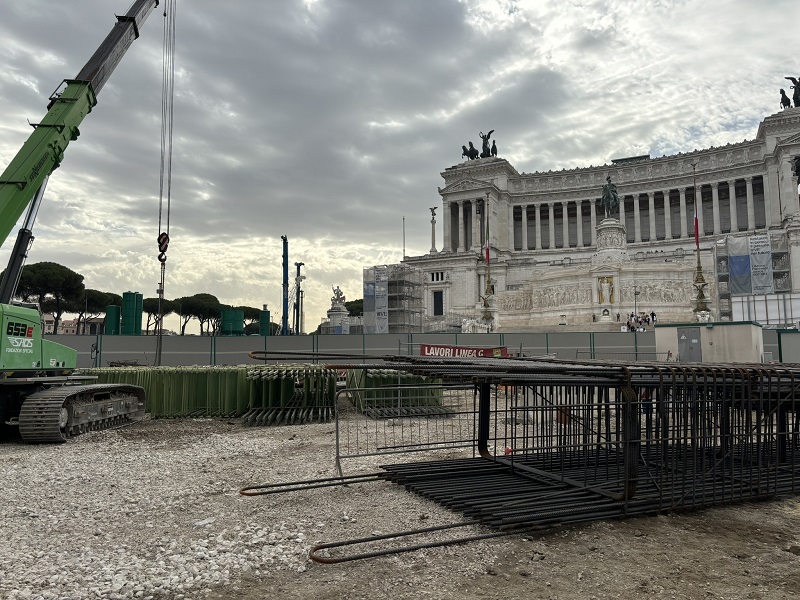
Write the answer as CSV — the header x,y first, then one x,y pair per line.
x,y
461,351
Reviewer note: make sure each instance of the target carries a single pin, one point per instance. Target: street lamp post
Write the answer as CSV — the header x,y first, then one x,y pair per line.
x,y
636,293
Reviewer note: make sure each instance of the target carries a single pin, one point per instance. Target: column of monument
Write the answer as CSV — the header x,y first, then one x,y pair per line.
x,y
651,209
579,222
682,192
524,227
551,224
771,208
667,216
446,217
751,209
564,225
473,218
538,208
433,230
461,246
512,240
715,207
637,228
593,218
732,202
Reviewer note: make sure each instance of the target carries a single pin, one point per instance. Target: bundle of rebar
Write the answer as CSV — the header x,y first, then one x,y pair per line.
x,y
558,442
572,441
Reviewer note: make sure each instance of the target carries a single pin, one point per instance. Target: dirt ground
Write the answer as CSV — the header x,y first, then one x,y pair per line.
x,y
190,472
742,551
731,553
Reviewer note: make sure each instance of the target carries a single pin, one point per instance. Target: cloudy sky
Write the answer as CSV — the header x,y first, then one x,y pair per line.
x,y
329,121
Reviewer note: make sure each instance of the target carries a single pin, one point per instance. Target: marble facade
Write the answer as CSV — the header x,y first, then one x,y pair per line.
x,y
555,259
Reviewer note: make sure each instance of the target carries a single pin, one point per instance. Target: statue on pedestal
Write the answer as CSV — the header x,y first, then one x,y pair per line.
x,y
610,198
606,295
796,88
486,152
338,298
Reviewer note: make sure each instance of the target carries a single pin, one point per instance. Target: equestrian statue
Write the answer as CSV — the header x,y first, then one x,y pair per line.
x,y
610,198
470,153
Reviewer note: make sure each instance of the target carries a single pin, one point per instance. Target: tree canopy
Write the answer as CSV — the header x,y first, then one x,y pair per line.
x,y
91,305
203,307
150,308
59,290
55,287
355,308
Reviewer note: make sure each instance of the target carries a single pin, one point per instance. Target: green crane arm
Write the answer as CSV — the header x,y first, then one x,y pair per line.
x,y
44,150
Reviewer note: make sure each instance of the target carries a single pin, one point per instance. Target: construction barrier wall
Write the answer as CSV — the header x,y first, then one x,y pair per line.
x,y
101,350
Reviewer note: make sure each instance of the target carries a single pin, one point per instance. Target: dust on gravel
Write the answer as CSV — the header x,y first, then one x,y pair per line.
x,y
742,551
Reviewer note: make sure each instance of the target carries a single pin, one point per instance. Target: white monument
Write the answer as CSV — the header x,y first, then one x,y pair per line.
x,y
338,315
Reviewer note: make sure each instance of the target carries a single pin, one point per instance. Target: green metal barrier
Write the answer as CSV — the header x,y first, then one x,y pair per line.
x,y
261,395
385,393
277,394
185,391
287,394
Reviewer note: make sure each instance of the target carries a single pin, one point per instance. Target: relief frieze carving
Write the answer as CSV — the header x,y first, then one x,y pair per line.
x,y
515,301
674,291
562,295
610,238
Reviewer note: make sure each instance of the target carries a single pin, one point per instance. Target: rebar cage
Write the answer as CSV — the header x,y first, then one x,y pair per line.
x,y
544,441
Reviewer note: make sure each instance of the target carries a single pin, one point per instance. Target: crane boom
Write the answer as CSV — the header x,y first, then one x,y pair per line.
x,y
43,152
33,367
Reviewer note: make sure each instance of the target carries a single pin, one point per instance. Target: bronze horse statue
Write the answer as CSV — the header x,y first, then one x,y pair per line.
x,y
471,153
785,102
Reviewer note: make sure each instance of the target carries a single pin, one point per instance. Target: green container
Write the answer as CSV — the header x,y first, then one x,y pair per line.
x,y
263,323
231,322
112,320
131,313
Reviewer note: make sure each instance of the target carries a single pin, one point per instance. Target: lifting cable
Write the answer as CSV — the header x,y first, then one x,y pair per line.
x,y
165,174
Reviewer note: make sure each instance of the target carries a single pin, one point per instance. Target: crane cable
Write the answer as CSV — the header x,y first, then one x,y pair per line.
x,y
165,173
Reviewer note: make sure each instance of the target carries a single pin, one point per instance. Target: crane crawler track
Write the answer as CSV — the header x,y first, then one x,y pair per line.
x,y
58,413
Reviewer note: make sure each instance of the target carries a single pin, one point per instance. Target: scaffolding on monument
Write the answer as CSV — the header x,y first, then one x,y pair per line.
x,y
393,301
405,299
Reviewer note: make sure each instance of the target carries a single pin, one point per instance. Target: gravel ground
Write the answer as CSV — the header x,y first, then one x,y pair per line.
x,y
153,511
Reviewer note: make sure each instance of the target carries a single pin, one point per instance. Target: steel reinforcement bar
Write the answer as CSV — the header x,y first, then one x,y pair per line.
x,y
561,442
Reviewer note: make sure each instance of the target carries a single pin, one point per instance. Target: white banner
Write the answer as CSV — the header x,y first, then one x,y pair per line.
x,y
381,300
761,264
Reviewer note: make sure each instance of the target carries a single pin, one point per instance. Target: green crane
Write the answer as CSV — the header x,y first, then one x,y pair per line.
x,y
38,393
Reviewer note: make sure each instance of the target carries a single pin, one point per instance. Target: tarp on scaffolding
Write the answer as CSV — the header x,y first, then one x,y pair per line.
x,y
750,265
376,300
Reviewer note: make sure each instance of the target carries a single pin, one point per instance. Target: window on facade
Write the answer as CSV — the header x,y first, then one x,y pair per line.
x,y
438,303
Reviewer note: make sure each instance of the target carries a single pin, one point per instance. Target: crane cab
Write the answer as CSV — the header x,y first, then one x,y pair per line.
x,y
23,347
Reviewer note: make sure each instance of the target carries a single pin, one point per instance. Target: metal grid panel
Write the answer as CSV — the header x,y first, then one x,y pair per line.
x,y
603,439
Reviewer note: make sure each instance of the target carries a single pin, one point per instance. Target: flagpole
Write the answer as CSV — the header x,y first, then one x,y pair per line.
x,y
488,291
699,280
